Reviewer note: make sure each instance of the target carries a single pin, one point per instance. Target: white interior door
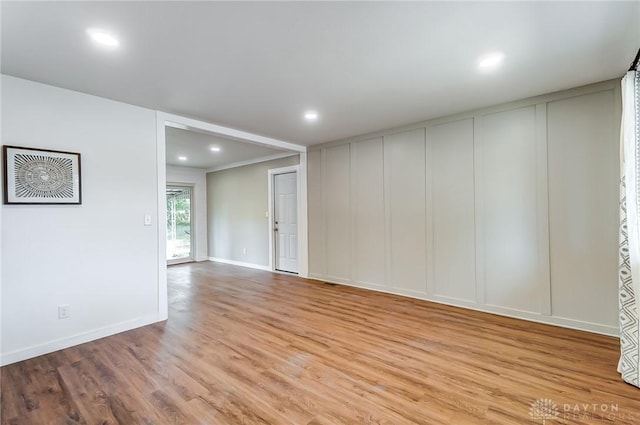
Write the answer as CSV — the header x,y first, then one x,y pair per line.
x,y
285,225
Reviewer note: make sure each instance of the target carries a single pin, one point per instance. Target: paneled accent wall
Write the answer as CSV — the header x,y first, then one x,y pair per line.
x,y
510,209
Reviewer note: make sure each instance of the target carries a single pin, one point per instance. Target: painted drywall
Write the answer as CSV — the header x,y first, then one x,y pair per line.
x,y
583,213
198,179
237,203
97,257
510,209
368,262
450,159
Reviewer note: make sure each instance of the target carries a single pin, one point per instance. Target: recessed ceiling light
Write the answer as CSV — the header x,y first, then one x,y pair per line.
x,y
215,149
103,37
490,61
311,115
182,158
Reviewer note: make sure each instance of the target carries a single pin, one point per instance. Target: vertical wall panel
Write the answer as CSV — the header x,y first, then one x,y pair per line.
x,y
404,155
544,273
338,212
509,175
450,153
315,213
368,212
583,207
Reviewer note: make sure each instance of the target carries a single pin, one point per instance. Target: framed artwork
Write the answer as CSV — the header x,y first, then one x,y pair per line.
x,y
40,176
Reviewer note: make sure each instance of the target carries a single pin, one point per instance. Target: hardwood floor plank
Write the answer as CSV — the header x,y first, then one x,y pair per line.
x,y
244,346
94,405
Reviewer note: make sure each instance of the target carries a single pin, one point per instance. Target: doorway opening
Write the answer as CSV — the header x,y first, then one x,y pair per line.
x,y
166,121
179,224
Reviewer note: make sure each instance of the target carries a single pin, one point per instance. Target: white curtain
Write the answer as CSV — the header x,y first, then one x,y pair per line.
x,y
629,284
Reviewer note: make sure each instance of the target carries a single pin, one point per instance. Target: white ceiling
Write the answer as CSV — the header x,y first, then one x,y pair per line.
x,y
363,66
196,147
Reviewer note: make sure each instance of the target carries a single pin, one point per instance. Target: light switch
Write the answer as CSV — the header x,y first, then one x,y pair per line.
x,y
147,219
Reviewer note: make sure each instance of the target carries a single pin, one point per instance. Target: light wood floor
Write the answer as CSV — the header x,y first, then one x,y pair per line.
x,y
250,347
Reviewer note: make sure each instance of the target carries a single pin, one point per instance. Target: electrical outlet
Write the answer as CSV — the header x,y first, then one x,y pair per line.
x,y
244,251
64,311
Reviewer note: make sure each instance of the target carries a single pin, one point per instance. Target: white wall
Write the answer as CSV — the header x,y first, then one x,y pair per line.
x,y
198,179
98,257
510,209
338,218
367,185
451,181
237,202
583,251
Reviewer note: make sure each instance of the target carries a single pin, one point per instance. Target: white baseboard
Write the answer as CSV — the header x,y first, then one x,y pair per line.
x,y
240,263
81,338
501,311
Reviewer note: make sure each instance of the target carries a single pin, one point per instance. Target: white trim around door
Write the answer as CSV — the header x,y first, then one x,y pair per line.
x,y
301,193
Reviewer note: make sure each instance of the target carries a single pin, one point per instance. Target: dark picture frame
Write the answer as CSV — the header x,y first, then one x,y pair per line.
x,y
35,176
